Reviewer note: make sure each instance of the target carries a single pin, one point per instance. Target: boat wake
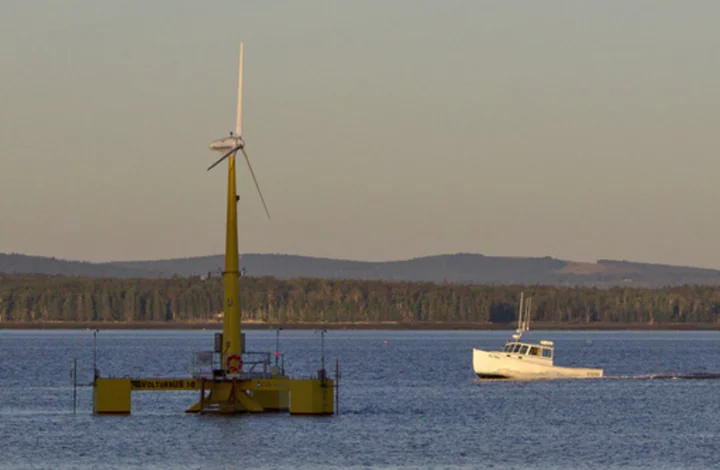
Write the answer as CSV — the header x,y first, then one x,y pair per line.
x,y
679,376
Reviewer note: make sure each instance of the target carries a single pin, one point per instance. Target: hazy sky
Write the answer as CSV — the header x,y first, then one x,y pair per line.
x,y
378,129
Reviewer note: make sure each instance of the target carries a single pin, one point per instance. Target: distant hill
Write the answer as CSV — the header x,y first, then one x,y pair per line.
x,y
457,268
24,264
451,268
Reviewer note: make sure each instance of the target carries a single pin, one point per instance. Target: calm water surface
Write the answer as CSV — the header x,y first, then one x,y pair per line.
x,y
407,399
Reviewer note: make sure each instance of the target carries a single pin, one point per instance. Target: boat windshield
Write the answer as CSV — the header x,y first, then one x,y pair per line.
x,y
529,349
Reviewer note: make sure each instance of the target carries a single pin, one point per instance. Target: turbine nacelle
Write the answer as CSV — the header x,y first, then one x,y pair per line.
x,y
223,145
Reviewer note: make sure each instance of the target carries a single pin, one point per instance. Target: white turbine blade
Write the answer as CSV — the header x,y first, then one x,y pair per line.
x,y
238,122
256,182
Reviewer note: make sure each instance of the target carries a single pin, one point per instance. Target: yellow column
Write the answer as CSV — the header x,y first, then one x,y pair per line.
x,y
111,396
231,319
312,397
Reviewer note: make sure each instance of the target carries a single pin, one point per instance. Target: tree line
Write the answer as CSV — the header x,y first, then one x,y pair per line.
x,y
35,298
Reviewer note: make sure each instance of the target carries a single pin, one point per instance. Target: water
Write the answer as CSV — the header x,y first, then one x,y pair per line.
x,y
412,402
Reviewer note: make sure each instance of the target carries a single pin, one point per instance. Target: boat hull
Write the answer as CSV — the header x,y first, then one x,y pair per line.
x,y
500,365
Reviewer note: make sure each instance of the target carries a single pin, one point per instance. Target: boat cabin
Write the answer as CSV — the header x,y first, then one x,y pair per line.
x,y
543,350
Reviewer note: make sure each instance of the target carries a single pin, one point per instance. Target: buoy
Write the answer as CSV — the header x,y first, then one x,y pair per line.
x,y
234,364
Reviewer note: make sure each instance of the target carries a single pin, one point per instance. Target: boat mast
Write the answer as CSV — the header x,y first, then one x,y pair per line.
x,y
520,331
528,308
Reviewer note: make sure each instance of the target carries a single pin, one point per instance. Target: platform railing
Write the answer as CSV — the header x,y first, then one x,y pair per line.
x,y
208,365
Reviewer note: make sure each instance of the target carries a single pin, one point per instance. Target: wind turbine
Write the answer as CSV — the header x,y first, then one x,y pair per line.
x,y
230,387
230,145
232,339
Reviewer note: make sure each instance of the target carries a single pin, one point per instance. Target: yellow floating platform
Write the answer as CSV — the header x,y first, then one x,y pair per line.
x,y
224,396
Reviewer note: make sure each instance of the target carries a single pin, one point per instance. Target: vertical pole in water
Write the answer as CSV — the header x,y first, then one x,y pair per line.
x,y
337,386
277,345
74,386
322,348
95,371
202,395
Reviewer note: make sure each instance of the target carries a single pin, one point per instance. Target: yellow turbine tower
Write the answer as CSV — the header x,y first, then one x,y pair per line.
x,y
232,337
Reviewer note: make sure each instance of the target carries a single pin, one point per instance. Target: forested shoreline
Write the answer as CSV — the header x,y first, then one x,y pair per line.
x,y
34,299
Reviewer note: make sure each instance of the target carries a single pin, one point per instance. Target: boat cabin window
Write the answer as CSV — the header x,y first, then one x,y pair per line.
x,y
528,349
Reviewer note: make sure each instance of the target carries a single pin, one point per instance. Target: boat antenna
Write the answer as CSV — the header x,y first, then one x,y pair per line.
x,y
520,329
528,310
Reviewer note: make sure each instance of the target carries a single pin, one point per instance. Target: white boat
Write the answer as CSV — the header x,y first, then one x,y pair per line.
x,y
525,361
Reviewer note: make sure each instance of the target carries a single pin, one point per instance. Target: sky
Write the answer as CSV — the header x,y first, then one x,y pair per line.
x,y
378,130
